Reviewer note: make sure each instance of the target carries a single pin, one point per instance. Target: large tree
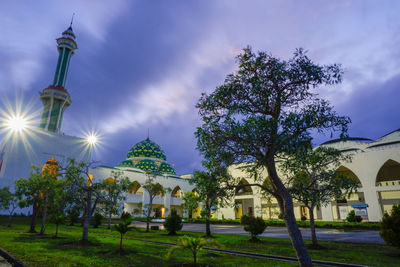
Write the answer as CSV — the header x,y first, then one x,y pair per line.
x,y
268,107
114,194
85,189
29,191
153,189
314,180
213,188
190,202
9,202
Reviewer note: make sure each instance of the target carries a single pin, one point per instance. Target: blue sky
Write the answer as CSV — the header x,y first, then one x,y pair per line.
x,y
144,64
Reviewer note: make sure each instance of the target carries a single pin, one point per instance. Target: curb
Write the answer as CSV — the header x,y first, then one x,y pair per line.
x,y
13,261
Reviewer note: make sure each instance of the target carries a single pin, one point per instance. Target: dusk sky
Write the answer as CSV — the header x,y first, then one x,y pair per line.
x,y
144,64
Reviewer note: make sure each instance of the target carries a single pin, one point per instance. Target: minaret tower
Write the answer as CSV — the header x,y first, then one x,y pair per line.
x,y
56,98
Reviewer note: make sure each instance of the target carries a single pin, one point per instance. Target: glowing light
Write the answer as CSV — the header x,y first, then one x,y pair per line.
x,y
92,139
17,123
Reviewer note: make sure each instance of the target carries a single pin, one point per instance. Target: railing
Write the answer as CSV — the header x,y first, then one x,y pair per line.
x,y
134,198
176,201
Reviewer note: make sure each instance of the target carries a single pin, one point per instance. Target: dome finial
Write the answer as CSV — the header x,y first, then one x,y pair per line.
x,y
148,133
72,19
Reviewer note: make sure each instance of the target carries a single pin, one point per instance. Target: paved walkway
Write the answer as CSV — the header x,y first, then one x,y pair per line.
x,y
4,262
323,234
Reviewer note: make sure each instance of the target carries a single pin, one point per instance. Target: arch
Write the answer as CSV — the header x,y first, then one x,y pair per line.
x,y
342,170
246,190
177,192
135,188
388,173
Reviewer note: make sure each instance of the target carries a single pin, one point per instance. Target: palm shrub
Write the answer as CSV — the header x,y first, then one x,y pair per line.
x,y
173,222
390,227
253,225
125,215
122,228
194,244
352,217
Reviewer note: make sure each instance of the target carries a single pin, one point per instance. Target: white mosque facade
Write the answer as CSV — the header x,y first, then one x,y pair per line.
x,y
376,164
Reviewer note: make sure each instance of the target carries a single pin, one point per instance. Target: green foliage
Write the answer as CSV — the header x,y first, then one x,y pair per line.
x,y
173,222
190,202
73,215
194,244
254,225
96,220
352,217
125,215
122,228
390,227
280,215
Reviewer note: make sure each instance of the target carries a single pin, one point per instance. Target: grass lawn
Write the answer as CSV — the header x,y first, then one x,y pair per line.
x,y
46,251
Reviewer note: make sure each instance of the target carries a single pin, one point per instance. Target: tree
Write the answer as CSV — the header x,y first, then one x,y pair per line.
x,y
314,180
390,227
122,228
352,217
254,225
212,188
153,189
29,193
173,222
86,190
194,244
9,202
268,107
190,202
114,194
58,219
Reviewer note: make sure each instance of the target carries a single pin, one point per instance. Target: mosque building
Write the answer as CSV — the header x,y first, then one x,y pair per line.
x,y
375,164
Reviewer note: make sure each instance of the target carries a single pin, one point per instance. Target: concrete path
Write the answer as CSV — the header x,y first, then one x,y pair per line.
x,y
4,262
323,234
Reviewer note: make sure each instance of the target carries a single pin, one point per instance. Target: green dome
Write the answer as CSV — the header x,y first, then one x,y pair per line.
x,y
146,149
147,165
166,168
125,163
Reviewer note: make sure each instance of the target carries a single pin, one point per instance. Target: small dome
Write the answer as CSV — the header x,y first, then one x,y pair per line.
x,y
146,149
147,165
125,163
166,168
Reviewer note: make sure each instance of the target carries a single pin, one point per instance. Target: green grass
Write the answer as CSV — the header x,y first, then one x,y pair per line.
x,y
39,251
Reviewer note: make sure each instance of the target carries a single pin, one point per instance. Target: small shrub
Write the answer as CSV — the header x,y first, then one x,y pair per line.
x,y
173,222
390,227
303,218
352,217
280,216
253,225
96,220
125,215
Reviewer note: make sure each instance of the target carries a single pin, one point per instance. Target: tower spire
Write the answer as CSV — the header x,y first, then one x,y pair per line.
x,y
56,98
72,20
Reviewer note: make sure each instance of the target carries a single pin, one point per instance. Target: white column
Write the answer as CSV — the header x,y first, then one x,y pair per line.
x,y
374,210
167,204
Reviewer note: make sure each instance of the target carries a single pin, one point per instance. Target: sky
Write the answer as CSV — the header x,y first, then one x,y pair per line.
x,y
142,65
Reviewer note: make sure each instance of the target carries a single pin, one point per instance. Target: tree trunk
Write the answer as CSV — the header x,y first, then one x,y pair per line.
x,y
312,226
120,244
34,216
194,258
208,229
286,204
42,229
109,221
86,221
56,231
148,215
9,220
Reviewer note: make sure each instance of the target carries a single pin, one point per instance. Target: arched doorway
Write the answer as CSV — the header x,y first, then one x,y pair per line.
x,y
244,202
388,178
356,201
